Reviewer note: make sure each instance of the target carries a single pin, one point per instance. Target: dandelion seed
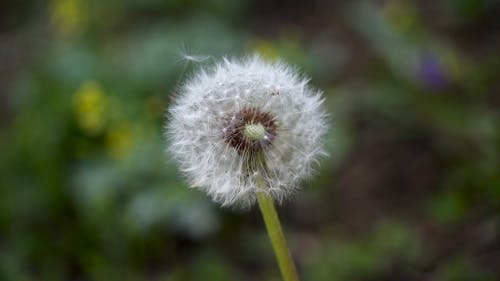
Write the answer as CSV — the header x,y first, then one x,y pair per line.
x,y
188,54
244,119
194,58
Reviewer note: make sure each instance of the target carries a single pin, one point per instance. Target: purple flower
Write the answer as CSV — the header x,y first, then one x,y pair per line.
x,y
432,73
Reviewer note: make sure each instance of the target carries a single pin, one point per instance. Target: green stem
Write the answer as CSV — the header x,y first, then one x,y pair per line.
x,y
275,233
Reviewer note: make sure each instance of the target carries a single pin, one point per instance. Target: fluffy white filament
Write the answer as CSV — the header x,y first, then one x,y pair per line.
x,y
198,124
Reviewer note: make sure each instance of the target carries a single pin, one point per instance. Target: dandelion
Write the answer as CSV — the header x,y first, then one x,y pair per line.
x,y
244,119
245,131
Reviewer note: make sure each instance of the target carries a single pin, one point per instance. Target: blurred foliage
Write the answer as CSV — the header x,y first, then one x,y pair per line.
x,y
411,190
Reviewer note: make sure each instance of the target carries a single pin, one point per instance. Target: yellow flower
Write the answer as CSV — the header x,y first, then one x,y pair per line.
x,y
402,15
90,104
265,48
68,16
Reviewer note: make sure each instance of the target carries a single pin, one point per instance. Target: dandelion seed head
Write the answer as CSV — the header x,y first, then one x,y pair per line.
x,y
243,119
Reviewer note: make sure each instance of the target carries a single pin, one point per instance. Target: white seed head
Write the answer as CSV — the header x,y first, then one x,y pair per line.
x,y
244,119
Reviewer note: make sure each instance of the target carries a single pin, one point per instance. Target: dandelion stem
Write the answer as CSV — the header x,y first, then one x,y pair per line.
x,y
276,235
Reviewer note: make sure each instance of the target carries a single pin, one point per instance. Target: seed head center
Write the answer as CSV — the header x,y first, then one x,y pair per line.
x,y
254,131
249,130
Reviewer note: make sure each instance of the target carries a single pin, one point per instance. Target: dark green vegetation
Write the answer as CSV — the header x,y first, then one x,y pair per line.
x,y
411,190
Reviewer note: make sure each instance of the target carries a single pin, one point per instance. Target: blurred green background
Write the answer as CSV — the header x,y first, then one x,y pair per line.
x,y
411,190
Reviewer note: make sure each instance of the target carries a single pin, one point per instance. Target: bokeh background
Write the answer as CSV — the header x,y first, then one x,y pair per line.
x,y
411,190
